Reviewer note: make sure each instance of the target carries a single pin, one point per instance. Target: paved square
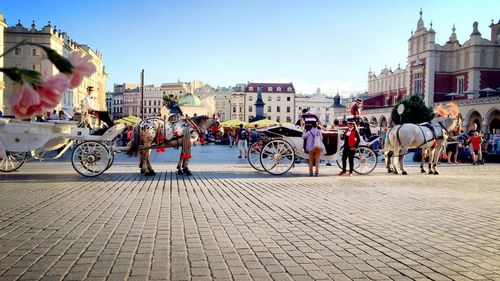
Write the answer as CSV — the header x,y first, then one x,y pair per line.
x,y
230,222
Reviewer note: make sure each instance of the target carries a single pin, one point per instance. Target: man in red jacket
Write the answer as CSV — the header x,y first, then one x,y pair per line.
x,y
351,142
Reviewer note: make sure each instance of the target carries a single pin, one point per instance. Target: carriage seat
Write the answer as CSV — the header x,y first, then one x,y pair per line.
x,y
372,138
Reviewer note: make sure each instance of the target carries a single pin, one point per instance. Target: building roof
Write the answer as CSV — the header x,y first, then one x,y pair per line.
x,y
252,87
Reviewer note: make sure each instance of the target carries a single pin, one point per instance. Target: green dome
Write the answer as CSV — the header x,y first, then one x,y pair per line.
x,y
189,99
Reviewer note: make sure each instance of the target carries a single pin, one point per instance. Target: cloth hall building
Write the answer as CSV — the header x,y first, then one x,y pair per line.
x,y
468,74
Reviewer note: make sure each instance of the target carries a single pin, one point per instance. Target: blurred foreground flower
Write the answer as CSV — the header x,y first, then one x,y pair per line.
x,y
34,93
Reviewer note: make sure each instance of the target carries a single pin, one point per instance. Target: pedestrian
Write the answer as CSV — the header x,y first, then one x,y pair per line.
x,y
313,139
242,140
475,139
130,133
54,115
62,115
231,137
351,141
255,135
307,120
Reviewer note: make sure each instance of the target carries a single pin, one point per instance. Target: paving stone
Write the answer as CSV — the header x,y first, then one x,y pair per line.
x,y
227,222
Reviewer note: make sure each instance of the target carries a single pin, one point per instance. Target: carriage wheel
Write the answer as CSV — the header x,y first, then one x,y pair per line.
x,y
339,157
277,157
365,160
13,161
90,158
111,159
254,155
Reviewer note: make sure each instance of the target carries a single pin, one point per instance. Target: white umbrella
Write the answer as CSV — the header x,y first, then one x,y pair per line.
x,y
453,94
471,94
488,90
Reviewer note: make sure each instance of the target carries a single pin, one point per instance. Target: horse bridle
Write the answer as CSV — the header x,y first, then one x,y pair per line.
x,y
195,127
450,136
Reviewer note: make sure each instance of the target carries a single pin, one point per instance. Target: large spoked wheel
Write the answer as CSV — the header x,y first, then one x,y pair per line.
x,y
13,161
277,157
339,157
111,159
91,158
365,160
254,155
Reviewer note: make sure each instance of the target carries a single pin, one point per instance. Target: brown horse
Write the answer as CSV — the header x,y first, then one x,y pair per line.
x,y
155,132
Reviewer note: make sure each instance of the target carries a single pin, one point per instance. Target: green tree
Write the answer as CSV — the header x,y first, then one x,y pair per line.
x,y
415,111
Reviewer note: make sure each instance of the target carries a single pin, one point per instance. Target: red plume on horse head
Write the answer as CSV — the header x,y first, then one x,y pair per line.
x,y
441,111
453,109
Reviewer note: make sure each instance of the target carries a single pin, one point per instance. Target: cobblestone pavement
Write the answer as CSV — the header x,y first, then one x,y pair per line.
x,y
230,222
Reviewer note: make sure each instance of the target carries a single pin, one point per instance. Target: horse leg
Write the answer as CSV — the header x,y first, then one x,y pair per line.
x,y
388,156
402,161
432,155
437,154
142,163
422,161
151,171
146,166
185,168
395,159
179,166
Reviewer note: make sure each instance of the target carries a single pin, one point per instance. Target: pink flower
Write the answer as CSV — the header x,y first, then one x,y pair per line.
x,y
25,103
82,67
29,102
52,89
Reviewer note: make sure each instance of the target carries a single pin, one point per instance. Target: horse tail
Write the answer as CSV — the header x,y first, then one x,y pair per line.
x,y
135,141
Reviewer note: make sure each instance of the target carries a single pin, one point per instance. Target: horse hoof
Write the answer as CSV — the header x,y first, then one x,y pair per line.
x,y
423,171
389,171
431,172
147,174
395,172
436,173
152,173
187,172
404,173
179,172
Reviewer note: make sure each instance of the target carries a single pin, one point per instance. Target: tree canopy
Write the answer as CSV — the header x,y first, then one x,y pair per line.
x,y
415,111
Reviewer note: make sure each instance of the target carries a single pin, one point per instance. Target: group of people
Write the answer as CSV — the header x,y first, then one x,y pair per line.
x,y
243,138
313,139
55,115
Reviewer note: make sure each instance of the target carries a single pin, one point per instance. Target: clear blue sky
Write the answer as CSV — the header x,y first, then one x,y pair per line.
x,y
312,43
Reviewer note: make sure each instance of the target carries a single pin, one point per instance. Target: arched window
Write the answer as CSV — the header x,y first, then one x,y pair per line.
x,y
269,89
250,88
289,89
278,89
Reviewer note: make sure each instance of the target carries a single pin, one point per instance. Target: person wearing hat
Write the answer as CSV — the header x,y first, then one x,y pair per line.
x,y
356,110
90,107
351,142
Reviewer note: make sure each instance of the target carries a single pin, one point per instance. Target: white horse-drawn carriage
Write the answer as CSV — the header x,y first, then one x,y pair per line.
x,y
21,140
279,147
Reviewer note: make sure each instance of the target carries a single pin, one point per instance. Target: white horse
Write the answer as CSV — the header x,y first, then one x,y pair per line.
x,y
431,137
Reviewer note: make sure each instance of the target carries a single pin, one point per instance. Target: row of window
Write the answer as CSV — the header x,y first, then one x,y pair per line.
x,y
270,98
269,109
270,89
19,52
33,66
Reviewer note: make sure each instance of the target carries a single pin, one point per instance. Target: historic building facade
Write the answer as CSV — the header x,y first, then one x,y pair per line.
x,y
279,99
318,104
33,57
467,74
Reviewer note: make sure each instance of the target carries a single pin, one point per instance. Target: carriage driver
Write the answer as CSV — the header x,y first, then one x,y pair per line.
x,y
356,111
90,107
